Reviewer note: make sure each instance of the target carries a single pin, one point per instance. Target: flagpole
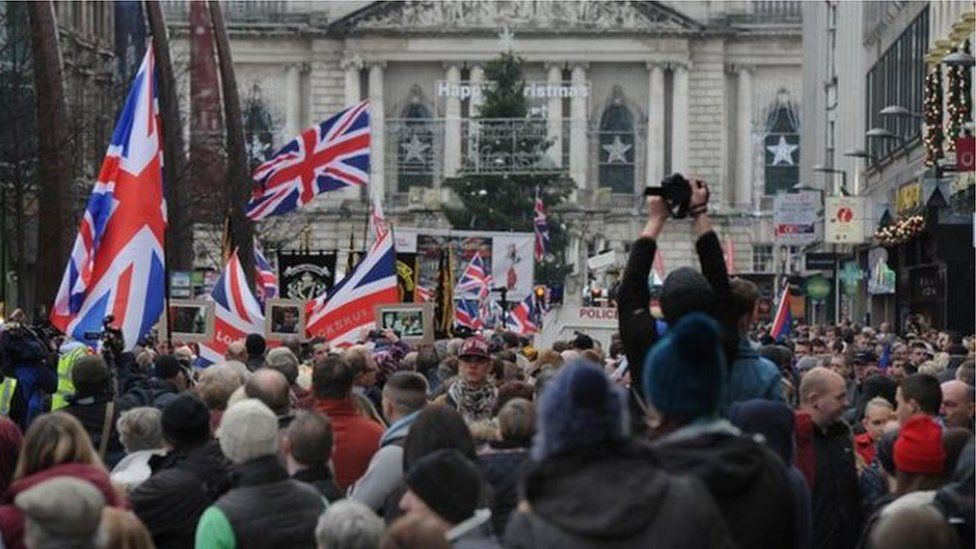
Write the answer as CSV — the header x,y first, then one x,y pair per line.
x,y
366,227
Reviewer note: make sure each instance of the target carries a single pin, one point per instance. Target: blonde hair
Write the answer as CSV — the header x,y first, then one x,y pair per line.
x,y
880,402
53,439
140,429
121,529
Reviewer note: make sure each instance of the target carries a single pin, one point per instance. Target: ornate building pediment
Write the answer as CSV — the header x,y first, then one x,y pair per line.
x,y
526,16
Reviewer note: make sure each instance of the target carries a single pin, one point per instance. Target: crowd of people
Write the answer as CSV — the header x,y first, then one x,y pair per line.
x,y
691,428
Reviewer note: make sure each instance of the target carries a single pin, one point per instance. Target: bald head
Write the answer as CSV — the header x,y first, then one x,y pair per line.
x,y
823,395
957,404
236,351
270,387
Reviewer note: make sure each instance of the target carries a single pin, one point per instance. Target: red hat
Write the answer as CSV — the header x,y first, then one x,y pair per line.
x,y
919,448
475,347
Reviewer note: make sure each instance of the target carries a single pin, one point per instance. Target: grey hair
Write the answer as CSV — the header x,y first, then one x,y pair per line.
x,y
140,429
37,537
348,524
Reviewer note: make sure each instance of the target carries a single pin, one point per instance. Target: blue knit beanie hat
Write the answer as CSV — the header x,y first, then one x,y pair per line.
x,y
579,407
685,373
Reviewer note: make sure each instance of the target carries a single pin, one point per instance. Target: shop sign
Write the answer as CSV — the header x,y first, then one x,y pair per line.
x,y
882,277
926,283
818,287
820,261
966,153
908,198
795,217
845,219
851,276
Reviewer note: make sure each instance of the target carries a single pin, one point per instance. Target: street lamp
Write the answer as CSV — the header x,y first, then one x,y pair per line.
x,y
959,59
882,133
843,178
860,153
898,110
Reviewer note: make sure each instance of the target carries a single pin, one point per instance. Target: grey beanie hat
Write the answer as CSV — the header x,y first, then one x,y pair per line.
x,y
248,431
685,290
66,507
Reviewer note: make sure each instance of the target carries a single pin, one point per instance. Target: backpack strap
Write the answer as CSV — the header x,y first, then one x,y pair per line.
x,y
106,428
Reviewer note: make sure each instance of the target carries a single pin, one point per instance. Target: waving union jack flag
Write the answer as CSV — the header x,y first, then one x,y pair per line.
x,y
236,312
475,279
467,314
333,155
266,286
522,319
117,262
346,309
541,229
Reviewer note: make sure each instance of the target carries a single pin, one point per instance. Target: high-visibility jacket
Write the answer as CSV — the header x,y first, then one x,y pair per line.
x,y
66,387
7,389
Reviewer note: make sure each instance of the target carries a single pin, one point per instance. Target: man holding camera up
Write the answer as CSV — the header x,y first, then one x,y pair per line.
x,y
685,290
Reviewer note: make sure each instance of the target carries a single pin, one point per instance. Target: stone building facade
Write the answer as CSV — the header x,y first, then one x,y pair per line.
x,y
631,91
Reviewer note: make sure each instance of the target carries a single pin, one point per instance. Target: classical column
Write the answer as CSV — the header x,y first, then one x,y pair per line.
x,y
452,124
554,115
679,122
376,163
293,101
743,135
655,126
352,93
578,153
476,78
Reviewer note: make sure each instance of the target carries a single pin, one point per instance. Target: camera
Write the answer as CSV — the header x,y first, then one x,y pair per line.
x,y
676,191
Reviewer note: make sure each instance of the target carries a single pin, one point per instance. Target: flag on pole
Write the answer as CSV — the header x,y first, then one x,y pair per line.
x,y
522,319
541,229
266,286
377,222
475,278
783,320
236,312
331,156
346,309
467,314
117,262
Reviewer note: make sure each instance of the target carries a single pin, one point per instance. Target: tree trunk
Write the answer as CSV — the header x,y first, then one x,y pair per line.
x,y
240,228
179,234
53,171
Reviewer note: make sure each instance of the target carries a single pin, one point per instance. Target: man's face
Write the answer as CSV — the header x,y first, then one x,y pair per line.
x,y
875,418
907,409
319,352
801,350
833,402
368,377
860,368
840,367
473,369
819,348
918,355
897,370
956,411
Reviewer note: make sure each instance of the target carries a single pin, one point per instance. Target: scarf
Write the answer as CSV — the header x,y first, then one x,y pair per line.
x,y
474,403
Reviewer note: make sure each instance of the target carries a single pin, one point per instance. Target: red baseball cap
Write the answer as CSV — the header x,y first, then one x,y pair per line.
x,y
474,347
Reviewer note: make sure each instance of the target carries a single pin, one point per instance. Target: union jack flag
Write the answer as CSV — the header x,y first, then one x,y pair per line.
x,y
117,262
236,312
467,313
541,229
346,309
522,319
422,294
266,286
475,279
333,155
377,223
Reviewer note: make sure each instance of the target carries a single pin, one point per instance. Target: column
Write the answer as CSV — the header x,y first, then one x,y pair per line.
x,y
477,78
655,126
352,93
578,153
743,136
293,101
679,122
554,115
376,161
452,124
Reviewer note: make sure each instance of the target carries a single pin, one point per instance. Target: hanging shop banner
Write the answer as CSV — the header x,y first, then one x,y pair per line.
x,y
844,217
908,198
305,275
795,217
966,153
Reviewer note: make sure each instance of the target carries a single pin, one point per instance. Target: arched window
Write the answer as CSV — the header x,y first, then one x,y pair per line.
x,y
258,128
616,154
415,146
782,146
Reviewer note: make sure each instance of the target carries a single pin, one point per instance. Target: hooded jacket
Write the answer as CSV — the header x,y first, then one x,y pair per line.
x,y
742,475
12,518
613,495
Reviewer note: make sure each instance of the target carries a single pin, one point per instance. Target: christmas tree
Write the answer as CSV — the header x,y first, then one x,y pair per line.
x,y
497,190
933,117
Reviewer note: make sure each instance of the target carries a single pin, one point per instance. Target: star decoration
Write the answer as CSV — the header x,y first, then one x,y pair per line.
x,y
617,151
506,39
414,149
782,152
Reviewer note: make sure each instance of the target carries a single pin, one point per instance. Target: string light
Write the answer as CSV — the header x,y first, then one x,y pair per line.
x,y
933,137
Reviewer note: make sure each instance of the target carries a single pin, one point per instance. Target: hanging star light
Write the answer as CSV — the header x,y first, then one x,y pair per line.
x,y
782,152
617,151
414,149
506,39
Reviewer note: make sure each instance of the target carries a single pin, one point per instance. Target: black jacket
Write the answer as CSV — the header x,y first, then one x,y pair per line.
x,y
638,330
265,508
152,392
743,477
184,483
320,478
90,411
502,469
837,513
614,496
